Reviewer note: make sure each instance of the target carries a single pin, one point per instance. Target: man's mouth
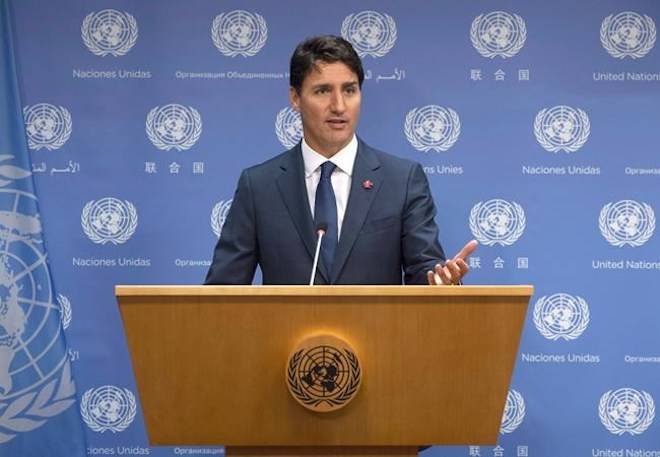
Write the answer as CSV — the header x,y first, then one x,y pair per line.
x,y
337,122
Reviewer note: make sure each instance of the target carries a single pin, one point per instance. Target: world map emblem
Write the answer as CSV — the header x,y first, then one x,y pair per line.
x,y
498,34
626,410
219,215
323,373
497,221
35,375
626,222
173,127
47,126
288,127
371,33
108,408
432,128
109,220
109,32
628,34
514,412
561,316
562,128
239,33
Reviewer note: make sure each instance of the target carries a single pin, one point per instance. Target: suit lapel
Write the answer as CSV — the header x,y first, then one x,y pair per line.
x,y
291,184
366,173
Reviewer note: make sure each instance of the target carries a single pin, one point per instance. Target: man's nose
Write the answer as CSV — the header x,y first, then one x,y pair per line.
x,y
337,104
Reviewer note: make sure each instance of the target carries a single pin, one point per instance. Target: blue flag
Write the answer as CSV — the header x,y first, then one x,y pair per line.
x,y
38,413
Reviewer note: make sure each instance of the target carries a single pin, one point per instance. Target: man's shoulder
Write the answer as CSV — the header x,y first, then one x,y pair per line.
x,y
274,164
389,160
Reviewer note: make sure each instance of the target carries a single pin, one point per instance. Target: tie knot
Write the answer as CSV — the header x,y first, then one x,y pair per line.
x,y
326,169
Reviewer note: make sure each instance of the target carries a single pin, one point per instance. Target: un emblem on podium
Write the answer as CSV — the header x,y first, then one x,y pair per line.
x,y
323,373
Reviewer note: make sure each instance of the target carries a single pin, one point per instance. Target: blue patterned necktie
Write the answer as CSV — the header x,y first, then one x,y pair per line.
x,y
325,212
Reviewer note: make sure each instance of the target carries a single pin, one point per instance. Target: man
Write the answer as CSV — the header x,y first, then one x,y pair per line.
x,y
375,210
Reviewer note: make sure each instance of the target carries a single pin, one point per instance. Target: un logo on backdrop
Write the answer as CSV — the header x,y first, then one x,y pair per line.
x,y
173,127
288,127
109,220
219,215
47,126
432,128
371,33
109,32
497,222
498,34
239,32
626,410
561,316
108,408
628,34
65,310
35,377
514,412
626,222
562,128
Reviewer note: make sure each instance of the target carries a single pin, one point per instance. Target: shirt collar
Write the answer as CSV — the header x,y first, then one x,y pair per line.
x,y
344,158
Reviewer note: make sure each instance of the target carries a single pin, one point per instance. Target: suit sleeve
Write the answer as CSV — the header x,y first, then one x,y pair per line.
x,y
419,240
236,253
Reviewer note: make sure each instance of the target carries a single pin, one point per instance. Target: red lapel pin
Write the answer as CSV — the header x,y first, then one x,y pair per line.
x,y
367,184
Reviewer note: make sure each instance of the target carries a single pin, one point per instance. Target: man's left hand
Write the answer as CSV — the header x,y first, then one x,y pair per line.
x,y
453,270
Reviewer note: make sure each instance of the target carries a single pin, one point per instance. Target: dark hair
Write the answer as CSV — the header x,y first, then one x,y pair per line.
x,y
326,48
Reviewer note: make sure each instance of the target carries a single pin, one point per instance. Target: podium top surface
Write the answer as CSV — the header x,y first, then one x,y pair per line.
x,y
337,291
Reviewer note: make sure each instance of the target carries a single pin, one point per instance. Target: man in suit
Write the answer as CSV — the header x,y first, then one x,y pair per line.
x,y
375,210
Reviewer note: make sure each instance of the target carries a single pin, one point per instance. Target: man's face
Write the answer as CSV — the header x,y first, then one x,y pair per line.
x,y
329,105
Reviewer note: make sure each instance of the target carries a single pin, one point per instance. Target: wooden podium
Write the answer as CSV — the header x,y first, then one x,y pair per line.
x,y
210,365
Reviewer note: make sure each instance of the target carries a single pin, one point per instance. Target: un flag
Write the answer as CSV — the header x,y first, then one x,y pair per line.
x,y
38,416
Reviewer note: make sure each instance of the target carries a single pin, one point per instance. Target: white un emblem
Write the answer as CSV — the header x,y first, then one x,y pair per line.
x,y
562,128
35,377
239,33
561,316
514,412
173,127
219,215
288,127
628,34
108,408
109,220
498,34
432,128
109,32
47,126
497,222
371,33
626,411
626,222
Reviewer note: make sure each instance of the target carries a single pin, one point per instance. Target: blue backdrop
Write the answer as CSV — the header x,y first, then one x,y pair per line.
x,y
536,123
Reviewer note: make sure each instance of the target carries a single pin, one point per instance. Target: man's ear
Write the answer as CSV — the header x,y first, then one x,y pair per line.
x,y
294,99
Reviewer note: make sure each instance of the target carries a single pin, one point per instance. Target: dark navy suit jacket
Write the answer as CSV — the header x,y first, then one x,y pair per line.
x,y
388,235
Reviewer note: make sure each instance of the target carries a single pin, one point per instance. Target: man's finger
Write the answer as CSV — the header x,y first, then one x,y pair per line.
x,y
467,250
430,277
462,266
454,270
444,274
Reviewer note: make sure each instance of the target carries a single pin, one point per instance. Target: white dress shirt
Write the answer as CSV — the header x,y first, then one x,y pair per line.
x,y
341,177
